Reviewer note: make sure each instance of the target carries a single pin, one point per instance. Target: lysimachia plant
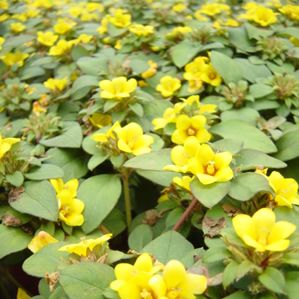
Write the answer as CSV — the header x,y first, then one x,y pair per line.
x,y
149,149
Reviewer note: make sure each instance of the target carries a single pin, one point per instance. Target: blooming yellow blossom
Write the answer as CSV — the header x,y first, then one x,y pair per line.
x,y
201,108
151,71
118,88
291,11
120,18
6,145
179,31
210,76
41,240
261,232
261,15
183,182
61,48
56,85
179,7
70,207
141,30
168,86
213,9
17,58
106,136
86,246
175,282
46,38
63,26
132,140
190,126
17,27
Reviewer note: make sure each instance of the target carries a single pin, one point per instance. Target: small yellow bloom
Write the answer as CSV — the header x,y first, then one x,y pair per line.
x,y
261,15
190,126
70,207
210,76
100,120
183,182
17,27
84,38
179,7
2,41
56,85
261,232
120,18
17,58
175,282
201,108
63,26
22,294
118,88
86,246
213,9
151,71
168,86
108,135
179,31
41,240
61,48
46,38
291,11
132,140
6,145
141,30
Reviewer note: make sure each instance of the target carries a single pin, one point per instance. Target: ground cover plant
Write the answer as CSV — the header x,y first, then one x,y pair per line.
x,y
149,149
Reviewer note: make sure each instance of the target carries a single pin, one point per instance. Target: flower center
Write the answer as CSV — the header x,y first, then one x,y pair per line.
x,y
210,168
191,131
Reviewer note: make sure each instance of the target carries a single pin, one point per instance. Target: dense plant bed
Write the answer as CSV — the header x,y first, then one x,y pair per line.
x,y
149,149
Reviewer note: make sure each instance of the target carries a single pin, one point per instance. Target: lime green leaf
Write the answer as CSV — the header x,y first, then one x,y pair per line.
x,y
273,280
227,68
288,146
97,159
292,282
248,159
14,240
229,273
140,237
209,195
38,199
162,178
82,86
260,90
251,137
70,138
44,172
168,246
247,185
238,295
86,280
100,195
16,178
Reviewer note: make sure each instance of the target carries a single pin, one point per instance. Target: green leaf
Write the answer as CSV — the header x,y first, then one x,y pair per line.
x,y
16,178
251,137
260,90
162,178
45,172
292,282
245,114
273,280
247,185
238,295
140,237
38,199
100,195
227,68
92,65
67,160
168,246
86,280
183,52
288,146
97,159
47,260
82,86
229,274
14,240
70,138
155,161
209,195
248,159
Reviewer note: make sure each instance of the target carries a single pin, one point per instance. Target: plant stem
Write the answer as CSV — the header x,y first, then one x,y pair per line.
x,y
127,197
186,214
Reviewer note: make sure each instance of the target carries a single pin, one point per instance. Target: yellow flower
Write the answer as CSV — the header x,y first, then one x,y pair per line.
x,y
132,140
109,134
132,280
261,15
179,7
16,58
210,76
168,86
261,232
17,27
56,85
202,108
120,18
179,31
41,240
176,283
61,48
212,9
86,246
64,26
6,144
84,38
200,17
70,207
22,294
141,30
2,40
100,120
190,126
183,182
291,11
46,38
118,88
151,71
104,25
286,189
